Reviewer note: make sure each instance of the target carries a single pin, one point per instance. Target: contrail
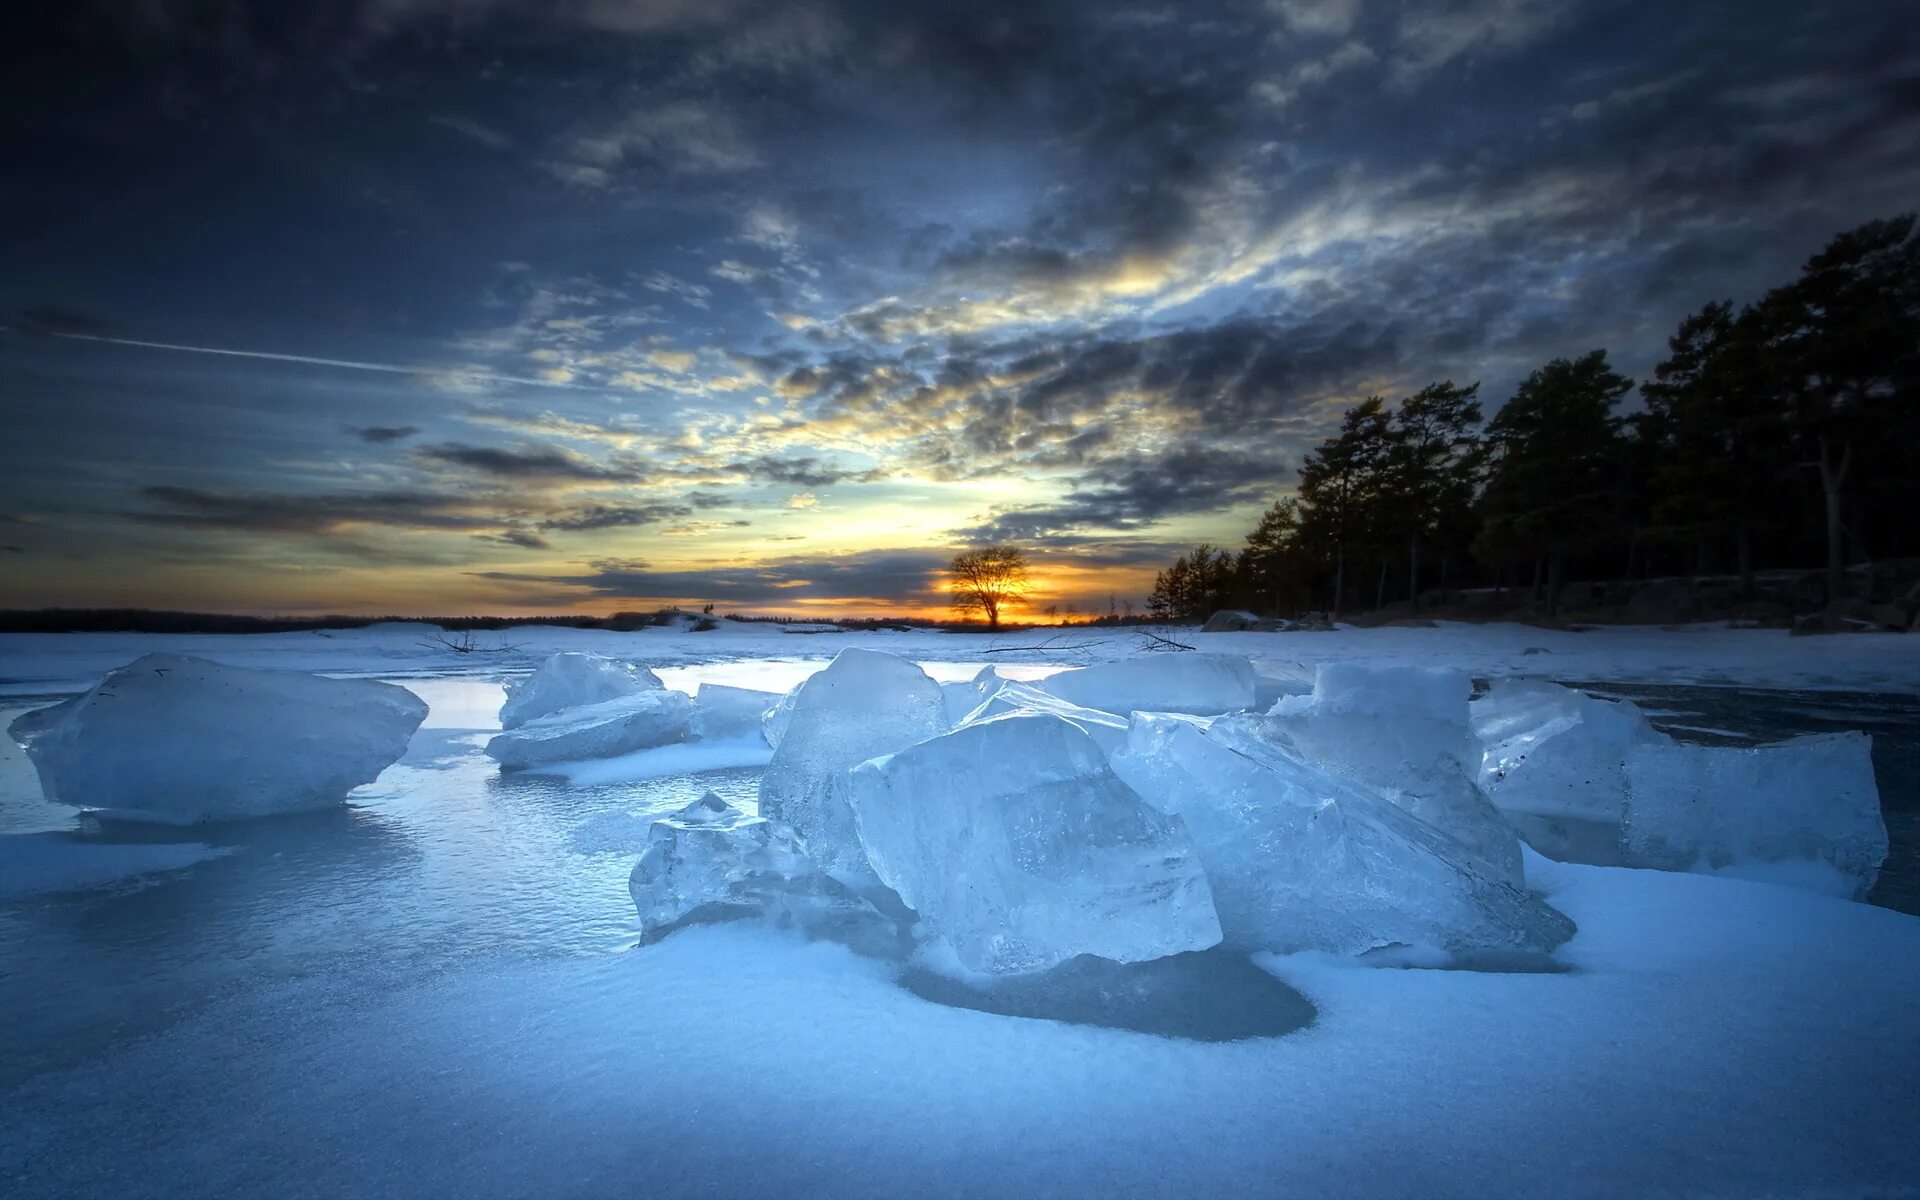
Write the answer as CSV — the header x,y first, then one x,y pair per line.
x,y
343,363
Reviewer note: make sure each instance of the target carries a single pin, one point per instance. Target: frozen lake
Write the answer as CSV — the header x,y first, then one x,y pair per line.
x,y
433,992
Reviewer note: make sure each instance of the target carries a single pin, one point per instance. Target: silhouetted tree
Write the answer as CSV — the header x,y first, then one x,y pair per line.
x,y
1845,338
987,578
1198,583
1273,565
1433,463
1717,434
1340,487
1556,449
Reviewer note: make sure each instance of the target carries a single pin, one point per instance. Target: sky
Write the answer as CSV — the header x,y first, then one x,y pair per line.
x,y
517,307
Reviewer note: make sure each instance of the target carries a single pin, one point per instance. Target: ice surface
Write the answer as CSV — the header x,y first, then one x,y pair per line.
x,y
1403,732
965,696
773,725
711,861
1203,684
572,679
34,864
1009,697
178,740
1300,860
612,727
1553,759
1807,800
1018,846
865,703
721,711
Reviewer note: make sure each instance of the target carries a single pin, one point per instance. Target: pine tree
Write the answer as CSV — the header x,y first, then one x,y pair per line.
x,y
1845,338
1434,460
1341,485
1556,447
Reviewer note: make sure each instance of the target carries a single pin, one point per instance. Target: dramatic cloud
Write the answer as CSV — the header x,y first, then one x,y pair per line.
x,y
667,287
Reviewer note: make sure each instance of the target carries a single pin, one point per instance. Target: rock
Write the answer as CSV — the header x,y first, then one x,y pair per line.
x,y
177,740
1020,848
1231,620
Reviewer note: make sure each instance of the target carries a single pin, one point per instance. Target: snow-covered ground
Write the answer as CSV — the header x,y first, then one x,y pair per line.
x,y
1707,654
434,991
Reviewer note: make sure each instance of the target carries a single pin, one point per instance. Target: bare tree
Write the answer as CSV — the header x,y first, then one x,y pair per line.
x,y
986,578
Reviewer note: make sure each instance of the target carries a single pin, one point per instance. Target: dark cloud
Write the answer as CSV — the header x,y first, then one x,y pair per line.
x,y
526,539
613,516
804,471
527,461
1136,492
1131,259
382,434
316,513
909,576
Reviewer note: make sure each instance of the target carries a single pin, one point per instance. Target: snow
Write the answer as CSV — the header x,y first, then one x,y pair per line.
x,y
572,679
33,864
1203,684
637,721
1766,1045
179,740
1401,731
1697,654
722,711
710,861
1809,800
865,703
1020,848
435,991
1300,860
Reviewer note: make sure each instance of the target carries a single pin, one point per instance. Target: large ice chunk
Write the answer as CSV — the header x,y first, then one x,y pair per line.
x,y
1017,845
710,861
1300,860
1553,759
175,739
1204,684
571,679
965,696
773,725
1011,698
721,711
636,722
865,703
1809,799
1401,731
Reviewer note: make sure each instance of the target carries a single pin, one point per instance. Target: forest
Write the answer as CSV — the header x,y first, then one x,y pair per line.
x,y
1779,434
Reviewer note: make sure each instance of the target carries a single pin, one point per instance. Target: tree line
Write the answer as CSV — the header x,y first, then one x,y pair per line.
x,y
1783,432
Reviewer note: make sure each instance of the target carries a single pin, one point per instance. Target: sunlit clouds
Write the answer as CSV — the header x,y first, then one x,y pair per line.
x,y
520,307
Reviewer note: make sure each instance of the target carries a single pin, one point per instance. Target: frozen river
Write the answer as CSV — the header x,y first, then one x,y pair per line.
x,y
434,992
